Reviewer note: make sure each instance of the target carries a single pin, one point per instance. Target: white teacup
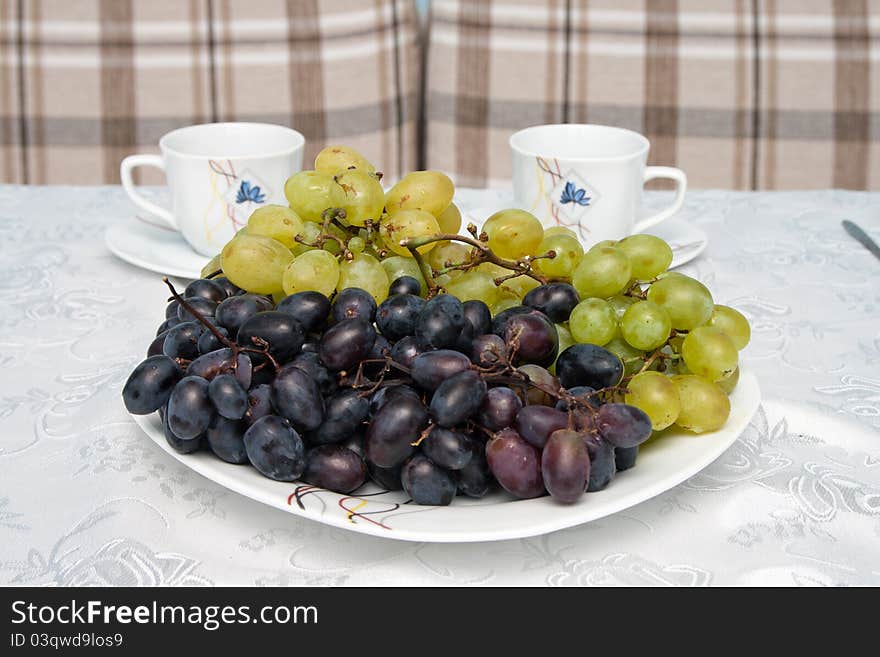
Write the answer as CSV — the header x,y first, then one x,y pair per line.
x,y
589,178
218,173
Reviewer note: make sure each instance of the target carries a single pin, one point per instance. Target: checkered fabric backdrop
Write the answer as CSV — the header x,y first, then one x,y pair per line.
x,y
739,93
85,82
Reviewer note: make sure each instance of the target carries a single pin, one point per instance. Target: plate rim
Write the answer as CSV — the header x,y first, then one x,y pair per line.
x,y
133,259
224,474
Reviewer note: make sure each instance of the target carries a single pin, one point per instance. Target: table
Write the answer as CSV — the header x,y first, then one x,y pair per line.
x,y
85,498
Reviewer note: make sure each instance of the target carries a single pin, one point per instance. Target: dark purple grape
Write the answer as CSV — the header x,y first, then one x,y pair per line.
x,y
602,467
440,322
259,403
465,341
311,346
310,363
542,377
283,334
182,341
405,351
447,448
171,310
396,316
296,397
150,384
427,483
157,345
228,286
432,368
189,409
584,394
386,394
335,468
556,300
343,414
499,409
204,307
625,457
565,465
217,362
623,425
381,348
474,479
387,478
228,397
536,423
231,313
515,464
355,442
588,365
226,439
478,316
347,343
582,421
354,303
405,285
311,309
176,443
499,322
488,350
163,327
275,449
209,342
393,429
531,339
205,289
458,398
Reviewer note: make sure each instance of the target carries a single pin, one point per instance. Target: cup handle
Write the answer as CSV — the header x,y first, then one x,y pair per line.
x,y
680,188
125,169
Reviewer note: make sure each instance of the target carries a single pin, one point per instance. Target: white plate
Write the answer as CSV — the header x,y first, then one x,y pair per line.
x,y
663,463
152,246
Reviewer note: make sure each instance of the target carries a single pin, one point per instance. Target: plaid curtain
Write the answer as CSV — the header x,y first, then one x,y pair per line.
x,y
743,94
85,82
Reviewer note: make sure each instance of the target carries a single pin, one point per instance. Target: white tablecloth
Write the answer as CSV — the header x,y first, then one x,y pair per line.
x,y
86,498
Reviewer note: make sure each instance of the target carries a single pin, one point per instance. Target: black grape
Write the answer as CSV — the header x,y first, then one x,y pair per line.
x,y
405,285
383,395
447,448
602,467
178,444
499,409
515,464
228,286
499,322
150,384
584,394
355,442
335,468
275,448
440,322
427,483
163,327
204,307
387,478
296,397
228,397
565,465
343,414
231,313
309,308
283,333
259,403
531,338
226,439
431,368
478,315
157,345
474,479
206,289
396,316
182,341
393,429
310,363
217,362
536,423
458,398
488,350
354,303
171,309
556,300
189,409
588,365
625,457
623,425
347,343
209,342
405,351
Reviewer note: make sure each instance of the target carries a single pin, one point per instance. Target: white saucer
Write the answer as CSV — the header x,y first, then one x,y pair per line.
x,y
152,246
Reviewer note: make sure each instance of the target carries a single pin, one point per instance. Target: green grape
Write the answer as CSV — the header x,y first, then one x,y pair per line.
x,y
733,323
649,256
408,224
645,325
356,244
520,285
688,302
365,272
446,254
397,266
593,321
602,272
543,378
314,270
276,221
473,286
255,263
728,384
212,266
450,220
708,352
430,191
334,159
602,245
364,198
657,395
568,253
565,341
620,303
513,234
704,406
309,233
309,193
632,358
503,304
559,230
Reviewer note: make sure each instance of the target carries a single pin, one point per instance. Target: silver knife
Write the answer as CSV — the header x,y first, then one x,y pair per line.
x,y
861,237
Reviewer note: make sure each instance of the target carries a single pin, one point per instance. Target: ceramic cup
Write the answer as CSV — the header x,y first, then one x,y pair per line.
x,y
589,178
218,173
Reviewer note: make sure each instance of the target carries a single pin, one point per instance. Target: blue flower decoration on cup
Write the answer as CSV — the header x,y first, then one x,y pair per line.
x,y
571,194
249,193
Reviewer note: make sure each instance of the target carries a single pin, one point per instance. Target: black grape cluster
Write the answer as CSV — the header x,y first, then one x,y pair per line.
x,y
435,396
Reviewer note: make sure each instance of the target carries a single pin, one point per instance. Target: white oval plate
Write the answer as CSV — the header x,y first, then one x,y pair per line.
x,y
154,247
663,463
